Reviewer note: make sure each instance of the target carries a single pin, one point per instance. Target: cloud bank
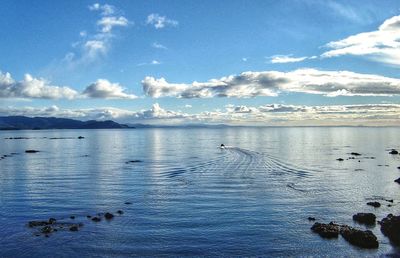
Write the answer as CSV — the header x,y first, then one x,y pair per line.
x,y
272,83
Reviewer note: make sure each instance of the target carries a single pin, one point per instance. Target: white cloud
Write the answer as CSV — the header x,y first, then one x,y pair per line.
x,y
31,87
105,9
281,59
158,45
106,90
160,22
107,23
271,83
382,45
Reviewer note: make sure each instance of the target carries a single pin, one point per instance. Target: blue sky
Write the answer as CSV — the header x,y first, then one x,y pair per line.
x,y
306,62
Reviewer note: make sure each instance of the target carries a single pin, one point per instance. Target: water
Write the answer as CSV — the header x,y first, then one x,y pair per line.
x,y
190,198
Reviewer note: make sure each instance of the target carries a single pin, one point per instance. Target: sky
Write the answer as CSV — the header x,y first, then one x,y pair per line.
x,y
277,63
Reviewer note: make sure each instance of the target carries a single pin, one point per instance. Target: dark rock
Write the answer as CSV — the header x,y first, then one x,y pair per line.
x,y
81,137
339,159
38,223
46,235
389,205
96,219
74,228
360,238
394,152
46,230
120,212
390,200
52,220
397,180
134,161
88,216
72,217
398,167
128,203
108,216
365,218
355,154
311,218
330,230
31,151
374,204
390,227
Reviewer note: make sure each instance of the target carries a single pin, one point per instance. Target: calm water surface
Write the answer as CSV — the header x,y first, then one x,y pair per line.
x,y
190,198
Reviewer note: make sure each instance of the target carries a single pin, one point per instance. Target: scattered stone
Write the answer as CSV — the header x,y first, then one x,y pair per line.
x,y
360,238
391,200
96,219
398,167
128,203
365,218
397,180
133,161
74,228
330,230
88,216
38,223
339,159
355,154
52,220
46,230
108,216
120,212
389,205
72,217
390,227
46,235
81,137
31,151
374,204
394,152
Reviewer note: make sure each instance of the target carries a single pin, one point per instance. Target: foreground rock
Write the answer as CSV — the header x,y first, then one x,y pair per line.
x,y
374,204
365,218
360,238
390,227
330,230
397,180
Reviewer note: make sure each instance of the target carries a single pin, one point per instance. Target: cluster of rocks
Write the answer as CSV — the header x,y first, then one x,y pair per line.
x,y
46,227
8,155
357,237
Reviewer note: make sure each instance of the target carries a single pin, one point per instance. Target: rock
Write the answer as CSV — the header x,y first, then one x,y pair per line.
x,y
355,154
108,216
74,228
360,238
52,220
128,203
390,227
394,152
397,180
38,223
120,212
390,200
398,167
330,230
46,235
31,151
311,218
339,159
81,137
88,216
365,218
96,219
134,161
46,230
374,204
72,217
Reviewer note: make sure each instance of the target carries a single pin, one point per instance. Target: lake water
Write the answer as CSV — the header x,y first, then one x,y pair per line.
x,y
190,198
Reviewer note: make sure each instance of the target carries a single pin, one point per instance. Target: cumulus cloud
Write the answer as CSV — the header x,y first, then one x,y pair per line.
x,y
31,87
271,83
382,45
158,45
160,22
105,9
106,90
265,115
107,23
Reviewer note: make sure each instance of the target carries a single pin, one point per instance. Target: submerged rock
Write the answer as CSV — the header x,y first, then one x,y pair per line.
x,y
128,203
108,215
311,218
120,212
330,230
394,152
37,223
31,151
74,228
133,161
96,219
390,227
397,180
360,238
365,218
46,230
72,217
374,204
355,154
339,159
81,137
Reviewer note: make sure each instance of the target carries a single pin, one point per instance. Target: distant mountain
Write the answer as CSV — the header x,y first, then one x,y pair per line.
x,y
38,123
